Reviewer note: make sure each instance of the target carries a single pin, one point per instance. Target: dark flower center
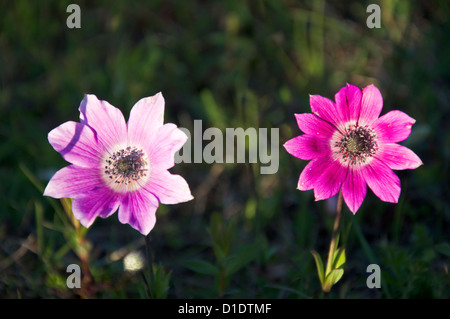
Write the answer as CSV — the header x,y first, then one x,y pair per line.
x,y
126,165
358,144
355,143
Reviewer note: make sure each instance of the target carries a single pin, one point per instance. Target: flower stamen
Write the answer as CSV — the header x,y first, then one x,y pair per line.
x,y
126,166
357,145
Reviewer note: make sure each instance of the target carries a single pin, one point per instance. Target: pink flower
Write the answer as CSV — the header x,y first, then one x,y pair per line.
x,y
350,146
118,165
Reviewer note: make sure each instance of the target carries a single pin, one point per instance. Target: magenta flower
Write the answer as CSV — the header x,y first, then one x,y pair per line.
x,y
118,165
351,147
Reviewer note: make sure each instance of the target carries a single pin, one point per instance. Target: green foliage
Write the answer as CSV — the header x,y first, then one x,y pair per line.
x,y
329,277
160,288
230,64
229,258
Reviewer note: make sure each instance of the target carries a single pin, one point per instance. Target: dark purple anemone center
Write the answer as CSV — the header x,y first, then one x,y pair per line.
x,y
126,165
357,144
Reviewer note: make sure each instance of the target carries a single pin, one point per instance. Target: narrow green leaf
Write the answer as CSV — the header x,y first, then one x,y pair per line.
x,y
221,232
336,243
161,284
33,179
228,235
338,258
61,252
202,267
219,252
319,266
332,278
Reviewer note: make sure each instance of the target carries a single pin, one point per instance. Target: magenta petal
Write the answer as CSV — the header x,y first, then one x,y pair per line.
x,y
71,181
100,202
398,157
314,125
76,143
169,141
327,110
394,126
382,181
371,105
354,189
330,181
312,172
307,146
106,120
348,103
139,210
168,188
146,117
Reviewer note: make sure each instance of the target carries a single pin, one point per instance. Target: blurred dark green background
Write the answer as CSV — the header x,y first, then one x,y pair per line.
x,y
231,64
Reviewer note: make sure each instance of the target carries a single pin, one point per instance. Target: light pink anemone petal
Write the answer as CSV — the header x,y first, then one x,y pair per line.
x,y
146,117
307,146
382,181
168,140
371,105
330,181
394,126
348,103
312,172
71,181
168,188
398,157
354,189
99,202
139,210
327,110
314,125
106,120
76,143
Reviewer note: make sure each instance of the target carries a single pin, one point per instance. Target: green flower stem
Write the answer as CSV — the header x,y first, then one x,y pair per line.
x,y
334,236
336,256
149,293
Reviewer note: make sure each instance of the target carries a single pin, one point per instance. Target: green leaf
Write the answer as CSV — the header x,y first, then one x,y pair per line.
x,y
161,282
336,243
33,179
319,266
221,232
332,278
202,267
338,258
